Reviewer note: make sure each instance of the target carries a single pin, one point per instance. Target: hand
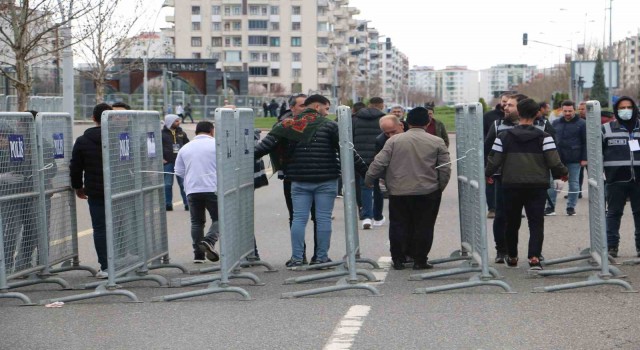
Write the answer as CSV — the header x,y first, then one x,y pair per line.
x,y
490,180
564,178
11,178
80,193
583,163
164,161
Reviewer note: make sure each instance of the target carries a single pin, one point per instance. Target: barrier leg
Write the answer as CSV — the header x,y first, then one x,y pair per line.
x,y
130,277
455,256
72,265
343,284
593,280
101,291
183,282
264,264
213,288
631,262
25,299
36,279
474,281
154,265
465,267
320,276
566,259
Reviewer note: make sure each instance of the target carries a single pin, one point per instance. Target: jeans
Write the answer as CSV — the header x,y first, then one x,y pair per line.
x,y
367,200
499,221
490,191
286,186
533,201
198,203
617,194
378,201
168,185
574,186
99,225
303,195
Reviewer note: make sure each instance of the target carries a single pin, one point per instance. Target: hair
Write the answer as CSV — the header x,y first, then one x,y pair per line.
x,y
397,106
518,97
293,98
543,105
98,109
317,99
376,101
582,103
358,106
34,113
568,103
121,105
391,117
528,108
418,116
204,127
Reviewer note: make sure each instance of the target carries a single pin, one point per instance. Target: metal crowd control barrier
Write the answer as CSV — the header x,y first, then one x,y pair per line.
x,y
234,170
22,208
350,271
131,154
55,139
472,198
598,252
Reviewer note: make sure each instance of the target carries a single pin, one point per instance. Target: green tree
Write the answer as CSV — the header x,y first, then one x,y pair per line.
x,y
599,91
558,98
485,108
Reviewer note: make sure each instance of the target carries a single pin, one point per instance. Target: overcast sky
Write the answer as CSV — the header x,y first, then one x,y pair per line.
x,y
483,33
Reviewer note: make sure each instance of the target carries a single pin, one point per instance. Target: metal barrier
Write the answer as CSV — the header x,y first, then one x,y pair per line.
x,y
350,271
472,198
22,207
597,254
55,139
131,156
234,168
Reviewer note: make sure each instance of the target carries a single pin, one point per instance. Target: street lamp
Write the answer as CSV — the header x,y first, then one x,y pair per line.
x,y
336,63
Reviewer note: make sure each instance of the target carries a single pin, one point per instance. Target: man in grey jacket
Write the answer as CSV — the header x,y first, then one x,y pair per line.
x,y
416,167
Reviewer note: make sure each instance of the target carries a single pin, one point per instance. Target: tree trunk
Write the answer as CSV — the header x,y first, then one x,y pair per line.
x,y
23,88
99,91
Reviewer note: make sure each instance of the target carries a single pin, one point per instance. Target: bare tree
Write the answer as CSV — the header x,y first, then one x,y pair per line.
x,y
103,34
28,33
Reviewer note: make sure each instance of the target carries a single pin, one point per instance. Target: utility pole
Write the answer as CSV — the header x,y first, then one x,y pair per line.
x,y
145,84
67,63
610,58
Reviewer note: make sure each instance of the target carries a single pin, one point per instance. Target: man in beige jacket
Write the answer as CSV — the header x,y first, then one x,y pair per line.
x,y
416,168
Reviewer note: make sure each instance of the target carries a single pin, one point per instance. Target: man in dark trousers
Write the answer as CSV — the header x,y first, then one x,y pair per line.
x,y
526,154
173,139
489,119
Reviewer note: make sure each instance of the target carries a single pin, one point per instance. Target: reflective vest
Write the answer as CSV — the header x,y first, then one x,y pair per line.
x,y
619,162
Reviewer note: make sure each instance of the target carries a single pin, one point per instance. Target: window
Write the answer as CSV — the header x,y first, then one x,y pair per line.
x,y
227,26
196,41
237,41
296,57
216,26
216,41
322,58
215,10
254,56
265,57
227,10
195,55
323,42
258,24
254,10
275,72
275,10
258,40
236,10
195,26
274,41
258,71
275,57
275,25
237,25
227,42
322,72
233,56
295,10
195,10
322,11
323,26
296,73
296,41
295,25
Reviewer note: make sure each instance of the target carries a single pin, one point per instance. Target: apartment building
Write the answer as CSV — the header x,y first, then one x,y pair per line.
x,y
452,85
504,77
423,78
627,52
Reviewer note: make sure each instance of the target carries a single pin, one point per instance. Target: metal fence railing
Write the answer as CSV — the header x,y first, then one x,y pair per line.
x,y
472,201
597,254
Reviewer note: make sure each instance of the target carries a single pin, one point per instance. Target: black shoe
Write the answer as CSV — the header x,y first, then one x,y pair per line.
x,y
253,258
186,208
549,212
613,252
422,266
292,264
398,265
534,264
169,208
198,258
566,196
580,195
500,258
511,262
571,212
207,248
316,262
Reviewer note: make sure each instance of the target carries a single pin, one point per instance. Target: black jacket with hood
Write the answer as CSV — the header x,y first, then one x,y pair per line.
x,y
86,159
366,127
619,162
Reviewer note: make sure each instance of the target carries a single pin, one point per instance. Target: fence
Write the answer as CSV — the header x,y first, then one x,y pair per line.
x,y
24,246
472,199
234,171
598,252
350,271
36,103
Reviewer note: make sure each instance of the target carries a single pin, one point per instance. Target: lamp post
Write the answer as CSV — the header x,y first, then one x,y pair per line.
x,y
610,95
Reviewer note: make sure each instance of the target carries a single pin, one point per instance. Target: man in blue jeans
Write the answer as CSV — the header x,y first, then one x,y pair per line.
x,y
571,136
173,139
196,163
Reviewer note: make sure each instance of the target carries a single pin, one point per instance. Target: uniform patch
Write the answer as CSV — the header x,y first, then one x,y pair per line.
x,y
616,142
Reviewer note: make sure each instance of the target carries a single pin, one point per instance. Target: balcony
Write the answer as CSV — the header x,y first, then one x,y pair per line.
x,y
170,19
169,3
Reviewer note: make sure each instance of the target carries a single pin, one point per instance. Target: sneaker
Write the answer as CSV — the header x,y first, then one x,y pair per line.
x,y
198,258
253,258
292,263
491,214
422,266
398,265
102,275
169,208
613,252
571,212
379,223
500,258
511,262
207,248
186,208
316,262
366,224
339,196
534,264
549,212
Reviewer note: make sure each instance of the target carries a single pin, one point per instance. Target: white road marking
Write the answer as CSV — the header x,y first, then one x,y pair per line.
x,y
346,331
385,264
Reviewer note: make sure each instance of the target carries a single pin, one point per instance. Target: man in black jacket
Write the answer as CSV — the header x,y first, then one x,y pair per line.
x,y
366,127
173,138
87,180
488,119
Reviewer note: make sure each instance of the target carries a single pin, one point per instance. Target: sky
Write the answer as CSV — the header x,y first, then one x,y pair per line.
x,y
483,33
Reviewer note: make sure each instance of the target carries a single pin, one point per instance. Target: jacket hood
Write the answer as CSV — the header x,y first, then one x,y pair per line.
x,y
94,135
369,113
526,133
169,119
634,116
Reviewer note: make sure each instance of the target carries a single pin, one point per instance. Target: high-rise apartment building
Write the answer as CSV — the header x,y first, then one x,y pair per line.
x,y
504,77
423,79
627,52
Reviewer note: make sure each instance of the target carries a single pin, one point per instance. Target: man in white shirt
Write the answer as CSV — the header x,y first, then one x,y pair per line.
x,y
196,163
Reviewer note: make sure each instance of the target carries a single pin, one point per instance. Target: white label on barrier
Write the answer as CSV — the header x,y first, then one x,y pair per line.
x,y
58,146
16,145
633,145
151,145
124,146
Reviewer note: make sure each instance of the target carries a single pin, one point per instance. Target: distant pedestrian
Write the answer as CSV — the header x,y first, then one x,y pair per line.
x,y
273,108
180,110
173,139
187,112
265,109
283,108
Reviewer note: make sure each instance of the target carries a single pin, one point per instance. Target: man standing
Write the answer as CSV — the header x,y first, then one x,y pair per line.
x,y
187,112
85,169
416,169
398,111
436,127
488,119
571,133
180,110
366,127
196,163
526,155
173,139
621,162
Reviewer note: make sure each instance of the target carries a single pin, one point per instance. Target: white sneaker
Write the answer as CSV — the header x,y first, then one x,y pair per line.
x,y
378,223
102,275
366,224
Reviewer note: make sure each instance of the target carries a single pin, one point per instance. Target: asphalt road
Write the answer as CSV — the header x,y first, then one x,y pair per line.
x,y
475,318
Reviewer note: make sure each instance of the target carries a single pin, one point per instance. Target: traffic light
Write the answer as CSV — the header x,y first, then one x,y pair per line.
x,y
524,39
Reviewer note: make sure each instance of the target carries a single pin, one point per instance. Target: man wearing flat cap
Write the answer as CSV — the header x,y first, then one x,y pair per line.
x,y
416,168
